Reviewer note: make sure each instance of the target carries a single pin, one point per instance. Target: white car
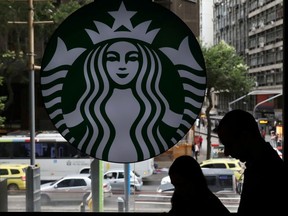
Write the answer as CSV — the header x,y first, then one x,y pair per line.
x,y
70,188
117,181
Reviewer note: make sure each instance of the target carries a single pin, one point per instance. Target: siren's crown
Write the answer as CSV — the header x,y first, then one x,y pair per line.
x,y
122,28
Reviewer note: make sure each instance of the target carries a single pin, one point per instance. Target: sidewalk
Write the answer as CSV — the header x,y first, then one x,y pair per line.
x,y
203,151
165,160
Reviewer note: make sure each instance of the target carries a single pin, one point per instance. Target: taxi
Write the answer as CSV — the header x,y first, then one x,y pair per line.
x,y
15,175
227,163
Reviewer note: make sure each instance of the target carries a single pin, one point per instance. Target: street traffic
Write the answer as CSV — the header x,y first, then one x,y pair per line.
x,y
146,200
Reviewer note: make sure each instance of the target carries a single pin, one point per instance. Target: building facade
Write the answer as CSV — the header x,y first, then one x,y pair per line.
x,y
255,29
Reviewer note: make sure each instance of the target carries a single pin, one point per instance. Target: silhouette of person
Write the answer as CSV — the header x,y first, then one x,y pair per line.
x,y
264,175
191,194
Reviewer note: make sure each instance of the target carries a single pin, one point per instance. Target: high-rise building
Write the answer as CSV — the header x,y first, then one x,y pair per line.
x,y
255,29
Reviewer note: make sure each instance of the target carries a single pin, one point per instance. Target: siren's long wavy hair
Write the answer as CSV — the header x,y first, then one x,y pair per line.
x,y
100,132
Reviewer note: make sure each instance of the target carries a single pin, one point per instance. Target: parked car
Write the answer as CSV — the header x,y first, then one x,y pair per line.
x,y
15,175
117,181
70,188
218,180
227,163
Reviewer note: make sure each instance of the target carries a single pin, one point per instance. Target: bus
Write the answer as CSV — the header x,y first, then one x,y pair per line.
x,y
56,157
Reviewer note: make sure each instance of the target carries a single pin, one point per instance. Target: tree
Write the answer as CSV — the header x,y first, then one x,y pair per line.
x,y
2,98
226,72
2,105
13,69
13,37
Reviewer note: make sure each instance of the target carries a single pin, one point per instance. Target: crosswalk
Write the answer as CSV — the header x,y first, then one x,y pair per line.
x,y
231,201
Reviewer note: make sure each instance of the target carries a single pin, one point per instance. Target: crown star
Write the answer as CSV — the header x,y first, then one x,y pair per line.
x,y
122,18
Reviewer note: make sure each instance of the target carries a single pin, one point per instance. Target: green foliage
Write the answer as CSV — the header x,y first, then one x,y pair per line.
x,y
226,70
64,10
12,67
2,98
13,64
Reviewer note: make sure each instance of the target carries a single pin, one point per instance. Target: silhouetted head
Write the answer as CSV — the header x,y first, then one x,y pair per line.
x,y
185,170
238,131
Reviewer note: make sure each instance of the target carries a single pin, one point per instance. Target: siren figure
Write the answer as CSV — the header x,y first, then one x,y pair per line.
x,y
122,113
129,110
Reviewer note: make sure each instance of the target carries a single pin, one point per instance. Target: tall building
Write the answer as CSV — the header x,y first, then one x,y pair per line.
x,y
206,28
187,10
255,29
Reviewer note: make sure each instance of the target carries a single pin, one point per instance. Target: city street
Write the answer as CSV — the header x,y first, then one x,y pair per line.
x,y
148,200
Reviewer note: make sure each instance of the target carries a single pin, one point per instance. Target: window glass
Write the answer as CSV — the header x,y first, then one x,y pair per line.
x,y
219,165
4,172
231,165
5,150
121,175
211,180
226,181
254,28
78,182
207,166
64,183
15,171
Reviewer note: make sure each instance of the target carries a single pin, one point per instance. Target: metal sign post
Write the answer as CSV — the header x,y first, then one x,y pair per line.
x,y
31,79
3,195
33,193
97,185
127,186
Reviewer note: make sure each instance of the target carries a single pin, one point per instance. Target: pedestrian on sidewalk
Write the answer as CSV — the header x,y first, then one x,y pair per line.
x,y
193,150
273,139
200,141
197,151
191,193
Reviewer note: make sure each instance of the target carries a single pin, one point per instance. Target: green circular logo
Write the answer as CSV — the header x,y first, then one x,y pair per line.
x,y
123,80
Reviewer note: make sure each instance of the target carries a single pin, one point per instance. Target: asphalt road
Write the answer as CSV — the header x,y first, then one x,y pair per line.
x,y
147,200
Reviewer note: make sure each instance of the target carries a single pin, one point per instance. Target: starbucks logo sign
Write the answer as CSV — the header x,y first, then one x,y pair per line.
x,y
123,80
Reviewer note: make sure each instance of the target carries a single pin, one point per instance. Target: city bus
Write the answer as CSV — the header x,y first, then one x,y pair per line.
x,y
56,157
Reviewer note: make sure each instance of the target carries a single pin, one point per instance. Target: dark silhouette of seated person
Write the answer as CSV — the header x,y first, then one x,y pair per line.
x,y
264,188
191,194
